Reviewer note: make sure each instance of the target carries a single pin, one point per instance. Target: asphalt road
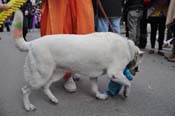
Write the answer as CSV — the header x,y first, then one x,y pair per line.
x,y
152,92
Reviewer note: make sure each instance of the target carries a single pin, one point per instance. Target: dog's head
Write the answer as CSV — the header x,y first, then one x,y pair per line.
x,y
133,65
137,55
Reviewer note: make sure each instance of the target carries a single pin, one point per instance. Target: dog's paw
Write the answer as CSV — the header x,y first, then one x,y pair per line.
x,y
54,100
101,96
125,93
30,107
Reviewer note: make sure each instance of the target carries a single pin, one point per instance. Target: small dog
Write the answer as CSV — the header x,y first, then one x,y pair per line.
x,y
90,55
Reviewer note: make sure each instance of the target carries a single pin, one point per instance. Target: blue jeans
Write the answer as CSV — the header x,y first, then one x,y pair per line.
x,y
103,25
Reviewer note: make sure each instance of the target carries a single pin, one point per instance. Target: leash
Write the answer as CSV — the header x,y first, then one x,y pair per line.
x,y
105,15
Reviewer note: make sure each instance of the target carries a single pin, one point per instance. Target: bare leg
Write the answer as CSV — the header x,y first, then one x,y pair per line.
x,y
26,93
96,91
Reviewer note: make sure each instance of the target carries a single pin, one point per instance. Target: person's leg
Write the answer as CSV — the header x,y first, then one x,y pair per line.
x,y
171,57
1,28
7,26
132,21
143,30
173,50
153,32
102,25
173,41
85,16
139,14
116,24
161,34
126,28
169,33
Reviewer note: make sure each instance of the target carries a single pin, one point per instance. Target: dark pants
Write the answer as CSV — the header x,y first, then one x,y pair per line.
x,y
7,26
143,29
25,27
1,28
171,32
157,24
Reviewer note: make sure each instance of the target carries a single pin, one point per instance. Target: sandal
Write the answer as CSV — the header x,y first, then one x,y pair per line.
x,y
171,59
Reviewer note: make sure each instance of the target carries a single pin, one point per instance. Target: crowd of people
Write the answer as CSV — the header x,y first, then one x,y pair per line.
x,y
103,16
87,16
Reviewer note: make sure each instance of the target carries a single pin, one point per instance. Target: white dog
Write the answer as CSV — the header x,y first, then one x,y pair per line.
x,y
90,55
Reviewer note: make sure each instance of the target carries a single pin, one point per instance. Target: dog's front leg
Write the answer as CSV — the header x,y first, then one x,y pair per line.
x,y
120,78
126,91
95,90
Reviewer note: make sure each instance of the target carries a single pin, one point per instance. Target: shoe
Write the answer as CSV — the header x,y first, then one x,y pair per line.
x,y
171,59
171,56
161,53
76,77
70,85
151,51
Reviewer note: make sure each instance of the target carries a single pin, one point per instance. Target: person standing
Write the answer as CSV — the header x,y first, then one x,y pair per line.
x,y
170,21
25,9
157,20
143,25
134,9
67,17
2,8
113,11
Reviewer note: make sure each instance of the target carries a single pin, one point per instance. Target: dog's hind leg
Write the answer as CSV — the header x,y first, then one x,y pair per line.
x,y
26,90
56,76
95,90
48,92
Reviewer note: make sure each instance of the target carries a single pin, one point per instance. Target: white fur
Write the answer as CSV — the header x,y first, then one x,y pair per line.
x,y
49,57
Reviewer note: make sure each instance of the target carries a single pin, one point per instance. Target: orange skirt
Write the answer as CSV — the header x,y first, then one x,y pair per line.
x,y
67,16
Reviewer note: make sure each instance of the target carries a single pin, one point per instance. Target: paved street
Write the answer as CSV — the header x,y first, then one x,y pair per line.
x,y
152,92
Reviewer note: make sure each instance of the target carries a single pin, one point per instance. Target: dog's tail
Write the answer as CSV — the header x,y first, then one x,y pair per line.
x,y
17,27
